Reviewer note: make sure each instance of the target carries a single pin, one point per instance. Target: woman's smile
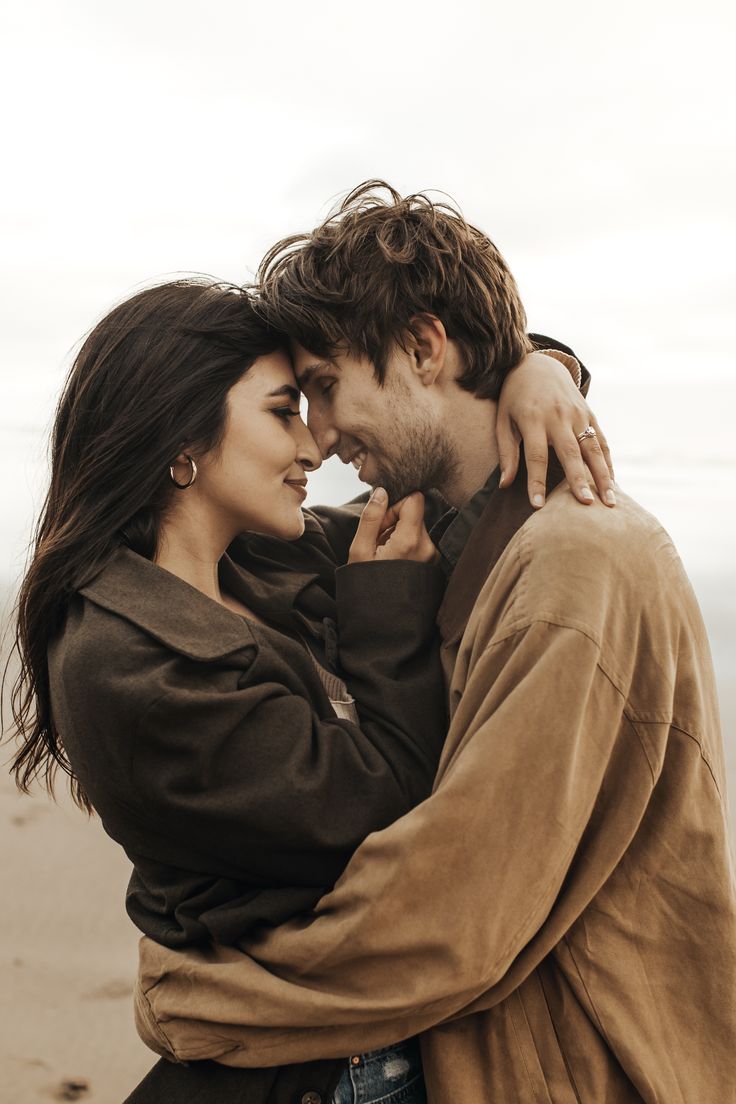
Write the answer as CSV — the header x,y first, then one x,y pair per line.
x,y
298,485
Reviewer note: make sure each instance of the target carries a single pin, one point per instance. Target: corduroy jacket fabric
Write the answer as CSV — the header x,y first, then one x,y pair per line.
x,y
558,919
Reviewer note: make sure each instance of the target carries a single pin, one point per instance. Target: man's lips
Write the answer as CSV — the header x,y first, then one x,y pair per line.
x,y
357,458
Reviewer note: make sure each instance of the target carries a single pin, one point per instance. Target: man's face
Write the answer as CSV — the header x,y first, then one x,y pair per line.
x,y
392,434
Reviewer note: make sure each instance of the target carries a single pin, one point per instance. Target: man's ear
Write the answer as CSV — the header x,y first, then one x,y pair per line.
x,y
427,343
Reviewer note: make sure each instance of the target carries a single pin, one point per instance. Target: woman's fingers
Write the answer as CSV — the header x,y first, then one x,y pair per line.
x,y
540,402
409,526
579,459
573,455
598,465
536,456
603,443
369,529
398,533
507,440
409,539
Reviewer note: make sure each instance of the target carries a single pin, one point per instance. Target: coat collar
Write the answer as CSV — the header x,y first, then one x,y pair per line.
x,y
179,615
505,513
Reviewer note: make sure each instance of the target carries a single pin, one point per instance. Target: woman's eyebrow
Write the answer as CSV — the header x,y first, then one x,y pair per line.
x,y
292,393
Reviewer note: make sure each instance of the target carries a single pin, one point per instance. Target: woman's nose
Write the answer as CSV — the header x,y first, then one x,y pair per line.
x,y
308,453
324,434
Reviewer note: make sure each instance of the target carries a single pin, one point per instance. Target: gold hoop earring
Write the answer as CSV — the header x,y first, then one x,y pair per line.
x,y
192,477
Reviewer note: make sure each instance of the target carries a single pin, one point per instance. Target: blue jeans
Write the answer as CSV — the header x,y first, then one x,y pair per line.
x,y
392,1075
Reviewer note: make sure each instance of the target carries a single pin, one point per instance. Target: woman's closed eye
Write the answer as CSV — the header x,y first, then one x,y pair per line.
x,y
285,412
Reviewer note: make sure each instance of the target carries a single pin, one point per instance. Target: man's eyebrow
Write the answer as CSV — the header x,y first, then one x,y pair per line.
x,y
292,393
306,375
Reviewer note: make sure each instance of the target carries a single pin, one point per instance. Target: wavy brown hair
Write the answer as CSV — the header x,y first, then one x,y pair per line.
x,y
382,259
149,382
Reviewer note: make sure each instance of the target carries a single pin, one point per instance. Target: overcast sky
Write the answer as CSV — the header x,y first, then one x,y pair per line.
x,y
594,144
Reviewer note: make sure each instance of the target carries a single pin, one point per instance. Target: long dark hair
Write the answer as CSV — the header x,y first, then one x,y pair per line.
x,y
149,382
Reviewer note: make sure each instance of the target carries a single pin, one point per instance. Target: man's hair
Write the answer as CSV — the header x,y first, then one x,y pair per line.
x,y
379,261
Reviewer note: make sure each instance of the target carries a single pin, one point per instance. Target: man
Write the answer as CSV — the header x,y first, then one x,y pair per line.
x,y
558,919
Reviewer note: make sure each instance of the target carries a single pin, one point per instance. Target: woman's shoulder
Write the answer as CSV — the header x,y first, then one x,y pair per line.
x,y
96,641
135,623
104,670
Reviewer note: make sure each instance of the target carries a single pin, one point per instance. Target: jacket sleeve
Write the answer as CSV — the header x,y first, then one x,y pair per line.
x,y
239,774
403,941
549,344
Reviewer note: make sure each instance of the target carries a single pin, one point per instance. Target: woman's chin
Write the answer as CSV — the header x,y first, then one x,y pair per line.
x,y
288,528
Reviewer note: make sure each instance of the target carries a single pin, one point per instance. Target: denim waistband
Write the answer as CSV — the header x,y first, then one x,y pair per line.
x,y
405,1049
390,1075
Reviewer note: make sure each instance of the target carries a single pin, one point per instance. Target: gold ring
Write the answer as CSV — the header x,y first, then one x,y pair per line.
x,y
587,435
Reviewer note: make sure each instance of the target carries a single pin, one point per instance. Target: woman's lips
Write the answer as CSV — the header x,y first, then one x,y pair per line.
x,y
300,488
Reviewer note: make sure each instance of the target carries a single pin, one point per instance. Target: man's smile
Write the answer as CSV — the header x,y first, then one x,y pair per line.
x,y
356,457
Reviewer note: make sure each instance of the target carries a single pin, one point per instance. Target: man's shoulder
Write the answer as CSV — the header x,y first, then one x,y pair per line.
x,y
611,578
622,540
584,566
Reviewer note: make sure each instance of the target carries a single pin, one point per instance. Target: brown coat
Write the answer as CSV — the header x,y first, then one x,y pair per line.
x,y
566,891
209,748
192,729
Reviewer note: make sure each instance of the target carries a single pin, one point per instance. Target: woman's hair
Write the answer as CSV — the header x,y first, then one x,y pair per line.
x,y
379,261
150,381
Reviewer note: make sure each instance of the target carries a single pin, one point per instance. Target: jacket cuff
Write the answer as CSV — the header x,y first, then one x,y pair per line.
x,y
570,362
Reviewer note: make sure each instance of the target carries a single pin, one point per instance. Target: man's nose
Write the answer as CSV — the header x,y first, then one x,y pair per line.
x,y
325,435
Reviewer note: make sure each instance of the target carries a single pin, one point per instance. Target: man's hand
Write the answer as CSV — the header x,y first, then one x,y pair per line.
x,y
540,403
392,533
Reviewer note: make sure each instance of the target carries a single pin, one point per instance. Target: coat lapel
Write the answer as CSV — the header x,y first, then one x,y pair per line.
x,y
180,616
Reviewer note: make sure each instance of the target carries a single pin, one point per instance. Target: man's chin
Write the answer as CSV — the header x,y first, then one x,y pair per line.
x,y
396,489
397,486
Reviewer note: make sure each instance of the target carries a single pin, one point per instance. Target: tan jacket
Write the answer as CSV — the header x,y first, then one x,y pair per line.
x,y
566,891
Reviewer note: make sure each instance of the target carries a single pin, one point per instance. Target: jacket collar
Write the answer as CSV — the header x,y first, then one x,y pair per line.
x,y
504,514
179,615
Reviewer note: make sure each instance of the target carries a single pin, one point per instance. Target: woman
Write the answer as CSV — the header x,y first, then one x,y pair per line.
x,y
186,683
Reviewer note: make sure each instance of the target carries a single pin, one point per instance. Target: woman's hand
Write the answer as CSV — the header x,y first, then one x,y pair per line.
x,y
395,533
540,404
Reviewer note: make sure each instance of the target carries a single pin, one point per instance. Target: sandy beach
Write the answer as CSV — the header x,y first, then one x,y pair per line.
x,y
69,951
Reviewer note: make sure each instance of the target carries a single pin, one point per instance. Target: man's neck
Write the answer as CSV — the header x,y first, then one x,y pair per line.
x,y
471,423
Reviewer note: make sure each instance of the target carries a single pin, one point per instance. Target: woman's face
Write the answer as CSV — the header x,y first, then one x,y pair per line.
x,y
255,480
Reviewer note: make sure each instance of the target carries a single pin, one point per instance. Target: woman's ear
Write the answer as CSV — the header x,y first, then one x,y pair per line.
x,y
428,347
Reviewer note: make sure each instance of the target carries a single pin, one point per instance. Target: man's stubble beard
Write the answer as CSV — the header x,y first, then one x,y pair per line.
x,y
425,460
